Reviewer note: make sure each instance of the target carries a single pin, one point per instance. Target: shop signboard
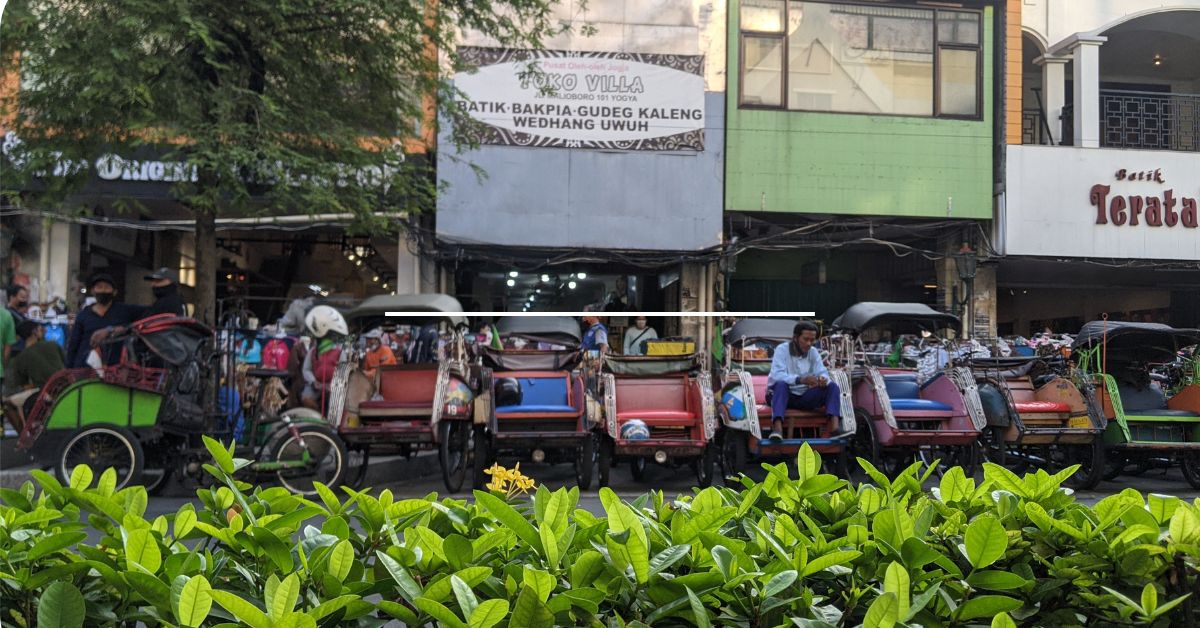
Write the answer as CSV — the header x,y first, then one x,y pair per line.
x,y
1088,202
569,99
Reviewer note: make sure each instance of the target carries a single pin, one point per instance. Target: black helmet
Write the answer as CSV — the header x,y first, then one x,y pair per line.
x,y
508,392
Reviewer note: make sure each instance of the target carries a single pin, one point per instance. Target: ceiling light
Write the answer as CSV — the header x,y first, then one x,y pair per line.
x,y
511,282
358,263
514,274
582,275
1158,60
375,278
350,257
545,277
385,286
571,285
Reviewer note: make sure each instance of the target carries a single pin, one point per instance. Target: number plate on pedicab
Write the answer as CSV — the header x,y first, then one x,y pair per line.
x,y
1079,422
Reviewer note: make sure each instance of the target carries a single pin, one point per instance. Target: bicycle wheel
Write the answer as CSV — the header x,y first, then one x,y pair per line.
x,y
326,458
102,447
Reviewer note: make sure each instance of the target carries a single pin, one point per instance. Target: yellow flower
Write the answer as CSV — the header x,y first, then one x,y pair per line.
x,y
509,482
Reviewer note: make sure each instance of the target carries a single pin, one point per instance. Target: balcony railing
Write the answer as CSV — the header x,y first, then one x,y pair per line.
x,y
1145,120
1150,120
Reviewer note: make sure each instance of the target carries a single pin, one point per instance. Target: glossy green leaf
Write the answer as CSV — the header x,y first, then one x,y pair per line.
x,y
987,605
54,543
996,580
699,612
61,605
142,549
219,454
896,581
779,582
438,611
488,614
1003,621
194,601
245,611
883,612
986,541
341,559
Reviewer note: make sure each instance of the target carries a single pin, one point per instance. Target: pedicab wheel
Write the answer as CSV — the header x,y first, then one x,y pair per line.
x,y
1189,464
1090,458
482,448
605,460
454,455
1114,466
637,467
156,475
102,447
585,462
357,461
705,465
865,443
733,453
947,456
995,450
327,458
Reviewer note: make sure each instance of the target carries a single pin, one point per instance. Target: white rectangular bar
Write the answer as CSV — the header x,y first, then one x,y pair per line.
x,y
580,314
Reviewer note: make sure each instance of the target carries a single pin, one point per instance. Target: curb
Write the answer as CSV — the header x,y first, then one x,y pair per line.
x,y
381,470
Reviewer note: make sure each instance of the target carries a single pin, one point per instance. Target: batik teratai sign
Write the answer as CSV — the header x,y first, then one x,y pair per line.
x,y
606,100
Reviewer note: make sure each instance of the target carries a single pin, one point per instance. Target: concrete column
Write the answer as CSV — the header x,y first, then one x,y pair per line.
x,y
691,298
1086,52
984,303
1053,91
408,269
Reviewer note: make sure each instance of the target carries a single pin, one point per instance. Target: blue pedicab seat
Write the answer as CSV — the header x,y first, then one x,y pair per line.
x,y
541,395
905,394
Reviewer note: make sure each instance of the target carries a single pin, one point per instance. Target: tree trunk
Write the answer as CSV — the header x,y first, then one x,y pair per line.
x,y
206,266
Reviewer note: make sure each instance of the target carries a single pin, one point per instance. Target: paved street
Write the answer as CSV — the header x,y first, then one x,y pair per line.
x,y
681,480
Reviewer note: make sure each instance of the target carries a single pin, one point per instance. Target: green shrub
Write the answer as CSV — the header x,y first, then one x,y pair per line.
x,y
805,551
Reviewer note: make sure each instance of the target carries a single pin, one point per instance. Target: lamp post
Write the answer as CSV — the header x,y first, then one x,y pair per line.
x,y
965,262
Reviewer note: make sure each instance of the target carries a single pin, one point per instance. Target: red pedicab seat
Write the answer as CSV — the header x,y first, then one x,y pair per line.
x,y
406,389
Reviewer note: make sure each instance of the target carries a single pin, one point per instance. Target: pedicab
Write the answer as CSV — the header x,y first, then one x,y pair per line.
x,y
535,404
144,416
658,408
745,411
1143,423
1038,417
901,413
405,408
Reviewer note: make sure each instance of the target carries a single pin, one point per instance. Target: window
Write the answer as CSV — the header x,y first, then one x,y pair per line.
x,y
852,58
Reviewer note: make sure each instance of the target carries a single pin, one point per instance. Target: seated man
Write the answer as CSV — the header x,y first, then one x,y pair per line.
x,y
378,354
30,370
799,380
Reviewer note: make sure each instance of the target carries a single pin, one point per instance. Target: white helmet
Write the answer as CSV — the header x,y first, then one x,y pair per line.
x,y
323,319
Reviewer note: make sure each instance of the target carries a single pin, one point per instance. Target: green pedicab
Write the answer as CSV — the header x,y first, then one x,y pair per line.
x,y
1143,422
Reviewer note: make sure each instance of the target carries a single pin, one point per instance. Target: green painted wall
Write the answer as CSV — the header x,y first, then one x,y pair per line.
x,y
829,163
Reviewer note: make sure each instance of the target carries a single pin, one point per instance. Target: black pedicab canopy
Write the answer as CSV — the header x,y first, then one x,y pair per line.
x,y
551,343
1135,342
176,340
752,329
650,365
905,318
375,308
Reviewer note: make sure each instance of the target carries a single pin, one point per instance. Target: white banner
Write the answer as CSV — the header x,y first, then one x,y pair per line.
x,y
1105,203
606,100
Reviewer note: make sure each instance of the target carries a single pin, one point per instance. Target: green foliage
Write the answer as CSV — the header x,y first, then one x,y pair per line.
x,y
1010,551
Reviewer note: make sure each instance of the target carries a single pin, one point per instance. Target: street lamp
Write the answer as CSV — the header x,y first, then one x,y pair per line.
x,y
966,263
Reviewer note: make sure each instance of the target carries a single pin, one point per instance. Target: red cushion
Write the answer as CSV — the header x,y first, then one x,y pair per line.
x,y
408,385
656,415
1042,406
390,405
764,412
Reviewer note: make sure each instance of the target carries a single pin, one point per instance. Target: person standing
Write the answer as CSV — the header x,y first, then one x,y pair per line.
x,y
8,337
98,321
799,379
637,335
167,300
596,336
18,307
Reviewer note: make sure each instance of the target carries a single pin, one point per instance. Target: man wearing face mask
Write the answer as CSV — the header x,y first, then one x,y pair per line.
x,y
98,321
166,293
18,307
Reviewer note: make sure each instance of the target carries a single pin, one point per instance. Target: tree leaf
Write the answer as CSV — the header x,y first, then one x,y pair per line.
x,y
882,612
530,611
666,558
341,559
724,559
896,581
987,605
822,563
53,543
511,519
220,455
61,605
996,580
986,541
438,611
1003,621
779,582
284,597
488,613
142,549
699,612
408,587
194,601
241,609
808,462
467,601
81,477
1149,598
